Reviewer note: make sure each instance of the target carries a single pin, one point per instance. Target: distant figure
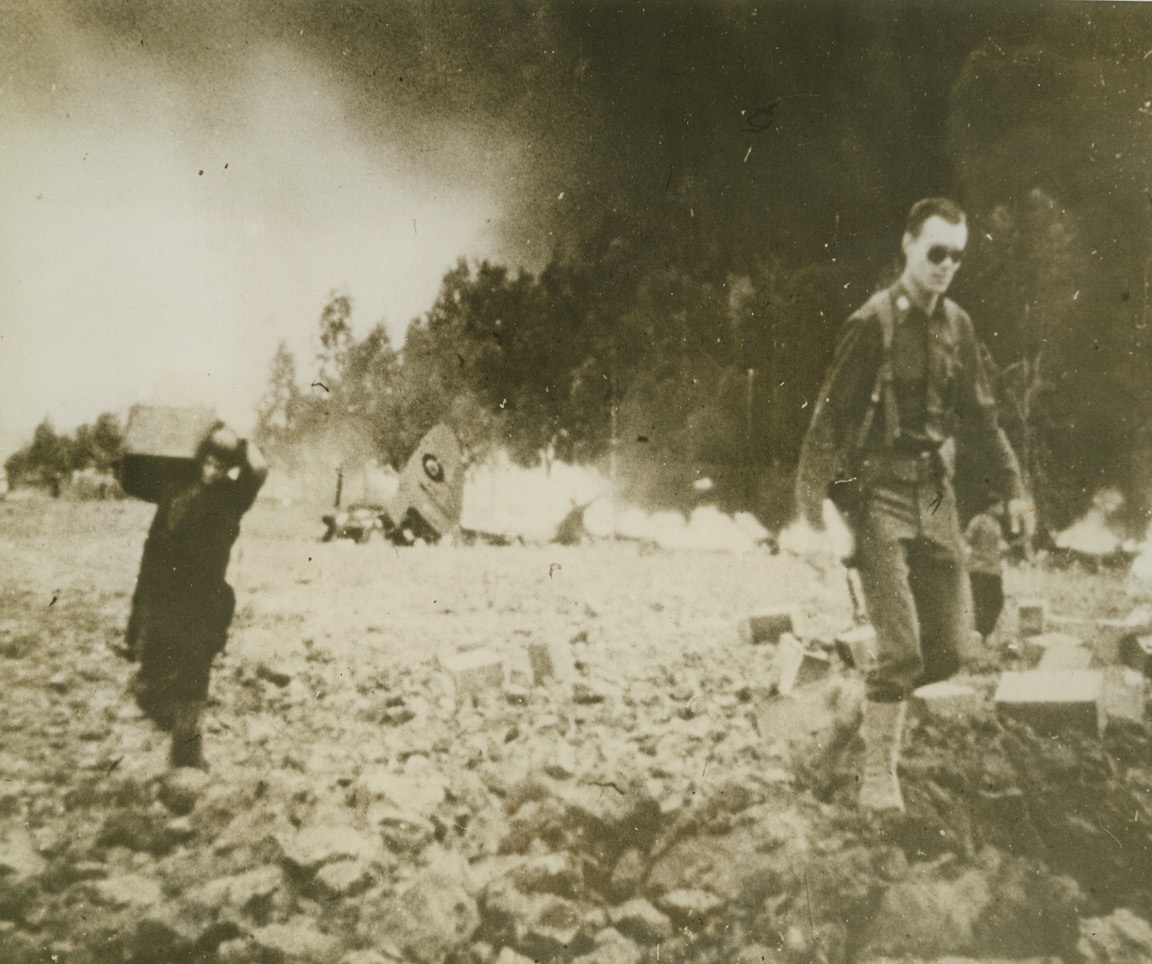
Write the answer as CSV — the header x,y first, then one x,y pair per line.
x,y
182,605
986,550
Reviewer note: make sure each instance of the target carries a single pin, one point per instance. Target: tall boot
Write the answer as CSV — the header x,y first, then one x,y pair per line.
x,y
187,749
882,729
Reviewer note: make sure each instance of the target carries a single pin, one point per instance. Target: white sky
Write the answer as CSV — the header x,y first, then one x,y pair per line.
x,y
126,275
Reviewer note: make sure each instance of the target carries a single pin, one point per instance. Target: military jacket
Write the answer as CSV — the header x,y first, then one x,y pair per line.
x,y
940,388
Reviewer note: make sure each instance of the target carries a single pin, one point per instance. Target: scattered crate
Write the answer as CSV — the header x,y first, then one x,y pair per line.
x,y
1123,695
796,665
767,626
1066,656
474,671
551,659
1053,702
945,700
1032,617
857,647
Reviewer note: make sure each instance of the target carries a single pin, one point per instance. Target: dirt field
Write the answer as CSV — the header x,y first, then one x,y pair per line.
x,y
658,804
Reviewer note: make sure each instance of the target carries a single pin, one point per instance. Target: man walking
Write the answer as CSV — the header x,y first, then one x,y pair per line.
x,y
908,372
182,605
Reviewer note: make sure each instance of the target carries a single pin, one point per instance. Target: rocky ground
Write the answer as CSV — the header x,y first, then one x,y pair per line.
x,y
658,804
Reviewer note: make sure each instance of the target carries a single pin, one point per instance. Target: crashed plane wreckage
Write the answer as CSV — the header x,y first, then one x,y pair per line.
x,y
427,503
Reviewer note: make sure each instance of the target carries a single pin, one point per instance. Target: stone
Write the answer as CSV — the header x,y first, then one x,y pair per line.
x,y
1121,936
689,906
766,626
586,694
369,957
945,700
311,848
1032,616
640,921
137,830
128,890
609,946
180,830
856,647
928,918
274,676
181,789
555,873
539,925
251,893
19,857
796,665
403,831
1123,695
173,930
509,956
551,659
419,793
1053,702
431,919
344,878
296,940
628,874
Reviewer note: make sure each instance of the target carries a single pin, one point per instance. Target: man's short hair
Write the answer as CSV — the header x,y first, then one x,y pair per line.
x,y
940,207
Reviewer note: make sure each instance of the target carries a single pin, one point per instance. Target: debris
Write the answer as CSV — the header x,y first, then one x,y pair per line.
x,y
311,848
767,626
946,699
1032,615
796,665
551,659
857,647
1123,694
1034,647
474,671
1053,702
1066,656
429,920
641,921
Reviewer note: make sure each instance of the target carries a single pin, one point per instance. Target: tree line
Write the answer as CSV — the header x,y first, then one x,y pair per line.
x,y
51,457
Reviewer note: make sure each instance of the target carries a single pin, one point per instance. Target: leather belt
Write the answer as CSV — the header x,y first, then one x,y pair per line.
x,y
900,467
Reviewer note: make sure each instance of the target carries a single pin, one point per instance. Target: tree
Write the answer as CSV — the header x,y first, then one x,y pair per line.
x,y
279,411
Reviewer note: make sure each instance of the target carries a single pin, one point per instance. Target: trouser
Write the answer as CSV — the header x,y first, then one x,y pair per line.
x,y
177,641
911,562
988,600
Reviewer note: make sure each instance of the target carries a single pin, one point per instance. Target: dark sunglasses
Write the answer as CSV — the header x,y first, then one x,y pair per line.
x,y
937,253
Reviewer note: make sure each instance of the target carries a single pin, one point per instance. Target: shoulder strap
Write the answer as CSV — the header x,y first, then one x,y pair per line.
x,y
882,387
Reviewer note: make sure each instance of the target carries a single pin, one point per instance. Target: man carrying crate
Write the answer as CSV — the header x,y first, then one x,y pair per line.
x,y
183,606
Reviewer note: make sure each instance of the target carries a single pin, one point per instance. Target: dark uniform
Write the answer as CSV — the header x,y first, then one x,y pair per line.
x,y
182,605
893,470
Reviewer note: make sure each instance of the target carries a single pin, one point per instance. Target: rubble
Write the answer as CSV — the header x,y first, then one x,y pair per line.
x,y
664,801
